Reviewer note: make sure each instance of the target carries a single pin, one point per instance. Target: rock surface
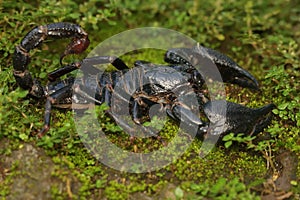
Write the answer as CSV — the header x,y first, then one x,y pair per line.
x,y
31,172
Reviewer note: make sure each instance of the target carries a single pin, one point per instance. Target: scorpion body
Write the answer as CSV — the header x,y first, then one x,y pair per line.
x,y
140,87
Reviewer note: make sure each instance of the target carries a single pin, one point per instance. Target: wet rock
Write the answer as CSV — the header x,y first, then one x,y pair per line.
x,y
289,163
167,192
279,189
140,196
32,173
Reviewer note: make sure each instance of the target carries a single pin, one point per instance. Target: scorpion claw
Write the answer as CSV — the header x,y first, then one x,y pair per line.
x,y
230,71
227,117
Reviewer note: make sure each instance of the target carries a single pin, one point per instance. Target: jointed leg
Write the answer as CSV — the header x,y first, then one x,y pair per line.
x,y
52,99
87,65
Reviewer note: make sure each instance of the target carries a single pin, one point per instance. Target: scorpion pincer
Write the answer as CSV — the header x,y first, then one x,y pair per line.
x,y
235,118
148,84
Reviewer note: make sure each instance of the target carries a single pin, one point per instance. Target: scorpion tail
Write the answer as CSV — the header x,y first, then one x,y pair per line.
x,y
33,39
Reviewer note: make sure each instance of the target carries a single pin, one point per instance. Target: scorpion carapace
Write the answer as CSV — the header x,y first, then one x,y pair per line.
x,y
140,87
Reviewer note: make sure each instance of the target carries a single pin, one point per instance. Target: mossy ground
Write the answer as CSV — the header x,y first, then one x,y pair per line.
x,y
262,36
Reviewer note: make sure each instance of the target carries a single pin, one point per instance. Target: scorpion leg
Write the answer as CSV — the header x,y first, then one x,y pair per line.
x,y
184,115
115,112
132,130
136,111
87,66
58,95
115,61
52,99
122,121
52,76
124,125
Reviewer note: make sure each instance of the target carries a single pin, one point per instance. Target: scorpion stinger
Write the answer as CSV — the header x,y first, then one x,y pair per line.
x,y
35,37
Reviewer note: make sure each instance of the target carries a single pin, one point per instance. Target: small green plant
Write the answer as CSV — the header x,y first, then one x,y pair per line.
x,y
285,86
155,123
223,189
179,193
240,138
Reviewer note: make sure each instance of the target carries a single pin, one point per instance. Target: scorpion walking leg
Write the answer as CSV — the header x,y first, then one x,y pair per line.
x,y
115,61
130,130
112,112
185,108
139,107
52,99
180,113
84,94
87,66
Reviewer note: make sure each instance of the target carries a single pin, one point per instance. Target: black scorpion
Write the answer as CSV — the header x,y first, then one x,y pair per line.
x,y
164,85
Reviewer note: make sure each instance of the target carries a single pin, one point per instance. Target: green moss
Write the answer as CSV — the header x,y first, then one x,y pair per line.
x,y
262,36
5,184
